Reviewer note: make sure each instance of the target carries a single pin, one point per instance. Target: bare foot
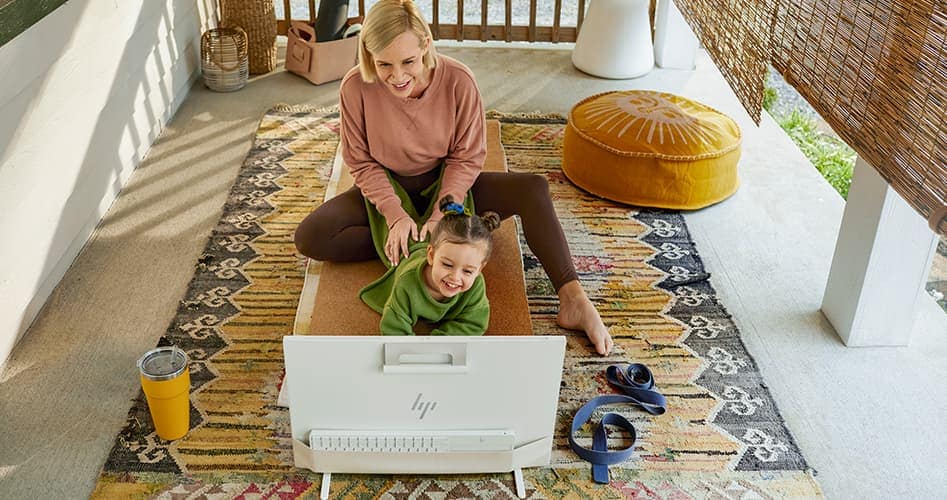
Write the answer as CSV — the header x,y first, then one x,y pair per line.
x,y
576,312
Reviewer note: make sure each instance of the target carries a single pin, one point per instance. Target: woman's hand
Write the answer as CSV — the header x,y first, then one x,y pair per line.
x,y
428,227
398,235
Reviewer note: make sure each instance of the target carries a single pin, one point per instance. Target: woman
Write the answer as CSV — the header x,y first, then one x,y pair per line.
x,y
410,114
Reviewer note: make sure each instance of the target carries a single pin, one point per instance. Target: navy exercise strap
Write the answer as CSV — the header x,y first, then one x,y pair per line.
x,y
636,381
599,455
638,384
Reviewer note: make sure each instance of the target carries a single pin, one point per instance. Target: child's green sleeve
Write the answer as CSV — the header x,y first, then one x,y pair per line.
x,y
396,318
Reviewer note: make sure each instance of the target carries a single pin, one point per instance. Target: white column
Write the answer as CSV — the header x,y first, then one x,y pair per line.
x,y
675,45
882,259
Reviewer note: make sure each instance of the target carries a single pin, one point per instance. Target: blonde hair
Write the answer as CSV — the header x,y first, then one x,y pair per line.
x,y
385,21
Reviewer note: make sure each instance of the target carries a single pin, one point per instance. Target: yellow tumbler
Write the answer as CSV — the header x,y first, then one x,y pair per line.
x,y
166,381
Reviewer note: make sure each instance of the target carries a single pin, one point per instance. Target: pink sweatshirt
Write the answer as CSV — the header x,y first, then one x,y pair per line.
x,y
414,135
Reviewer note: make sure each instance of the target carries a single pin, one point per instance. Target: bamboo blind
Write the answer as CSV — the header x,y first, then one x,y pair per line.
x,y
738,37
876,72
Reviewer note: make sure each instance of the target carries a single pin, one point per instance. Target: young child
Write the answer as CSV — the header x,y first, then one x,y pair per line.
x,y
444,284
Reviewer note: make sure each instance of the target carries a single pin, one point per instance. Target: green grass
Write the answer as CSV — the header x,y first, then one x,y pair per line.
x,y
831,157
770,96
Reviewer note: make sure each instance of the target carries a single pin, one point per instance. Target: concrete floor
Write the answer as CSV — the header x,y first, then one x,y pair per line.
x,y
869,420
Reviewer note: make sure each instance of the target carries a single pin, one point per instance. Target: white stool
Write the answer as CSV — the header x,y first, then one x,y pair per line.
x,y
615,39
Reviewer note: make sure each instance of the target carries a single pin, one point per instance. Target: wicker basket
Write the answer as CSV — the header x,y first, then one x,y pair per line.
x,y
224,59
258,20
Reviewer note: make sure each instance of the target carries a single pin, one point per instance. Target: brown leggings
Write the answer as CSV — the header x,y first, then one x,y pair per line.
x,y
338,230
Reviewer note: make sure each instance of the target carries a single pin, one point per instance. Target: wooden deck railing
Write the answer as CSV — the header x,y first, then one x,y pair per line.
x,y
484,31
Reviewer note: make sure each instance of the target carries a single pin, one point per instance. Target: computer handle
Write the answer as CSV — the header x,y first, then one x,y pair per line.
x,y
425,358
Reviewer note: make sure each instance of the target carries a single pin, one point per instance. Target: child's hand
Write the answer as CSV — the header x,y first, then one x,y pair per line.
x,y
398,235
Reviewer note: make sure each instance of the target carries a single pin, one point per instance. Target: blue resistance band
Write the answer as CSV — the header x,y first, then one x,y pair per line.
x,y
638,385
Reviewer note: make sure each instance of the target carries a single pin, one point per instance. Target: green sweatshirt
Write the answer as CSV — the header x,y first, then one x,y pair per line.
x,y
400,296
466,313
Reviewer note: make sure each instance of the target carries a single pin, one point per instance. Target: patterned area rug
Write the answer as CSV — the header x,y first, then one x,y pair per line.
x,y
722,436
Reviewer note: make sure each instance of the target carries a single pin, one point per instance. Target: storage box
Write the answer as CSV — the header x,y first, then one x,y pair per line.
x,y
319,62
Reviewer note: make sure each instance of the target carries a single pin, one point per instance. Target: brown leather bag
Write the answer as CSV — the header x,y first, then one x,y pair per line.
x,y
319,62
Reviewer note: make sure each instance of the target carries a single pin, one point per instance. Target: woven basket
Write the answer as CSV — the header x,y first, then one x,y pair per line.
x,y
258,20
224,59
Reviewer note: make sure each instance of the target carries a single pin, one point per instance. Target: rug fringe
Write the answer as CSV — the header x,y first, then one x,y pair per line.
x,y
491,114
304,108
532,116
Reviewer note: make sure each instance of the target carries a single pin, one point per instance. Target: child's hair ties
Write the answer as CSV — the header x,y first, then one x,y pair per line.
x,y
454,208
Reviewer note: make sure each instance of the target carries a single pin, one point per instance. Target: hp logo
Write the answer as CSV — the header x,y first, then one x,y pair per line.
x,y
423,406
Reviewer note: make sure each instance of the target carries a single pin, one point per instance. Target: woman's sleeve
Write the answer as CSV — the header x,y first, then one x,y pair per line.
x,y
368,174
465,159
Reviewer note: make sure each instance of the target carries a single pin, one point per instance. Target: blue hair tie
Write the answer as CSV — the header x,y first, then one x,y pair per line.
x,y
454,208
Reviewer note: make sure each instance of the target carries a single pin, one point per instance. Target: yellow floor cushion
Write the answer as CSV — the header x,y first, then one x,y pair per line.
x,y
652,149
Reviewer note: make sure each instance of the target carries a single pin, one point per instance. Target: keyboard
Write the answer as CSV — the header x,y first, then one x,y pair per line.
x,y
359,441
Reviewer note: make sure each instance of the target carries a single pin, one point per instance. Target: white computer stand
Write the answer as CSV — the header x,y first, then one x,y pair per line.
x,y
517,479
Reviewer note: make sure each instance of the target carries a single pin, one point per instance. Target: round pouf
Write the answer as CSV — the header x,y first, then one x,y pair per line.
x,y
651,149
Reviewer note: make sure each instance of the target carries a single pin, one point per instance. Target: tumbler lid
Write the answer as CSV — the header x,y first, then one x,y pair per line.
x,y
163,363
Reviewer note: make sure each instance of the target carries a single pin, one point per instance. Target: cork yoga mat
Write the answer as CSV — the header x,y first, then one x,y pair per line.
x,y
338,310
